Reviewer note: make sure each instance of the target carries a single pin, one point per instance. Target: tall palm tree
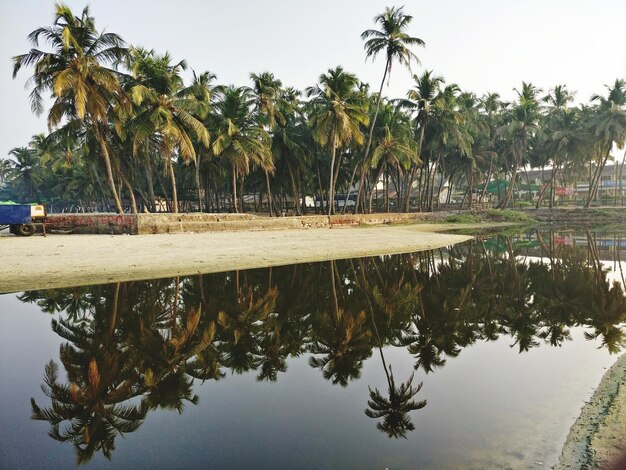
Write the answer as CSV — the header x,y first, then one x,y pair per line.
x,y
267,90
518,131
420,99
339,109
165,110
239,138
394,42
608,125
75,72
24,172
202,90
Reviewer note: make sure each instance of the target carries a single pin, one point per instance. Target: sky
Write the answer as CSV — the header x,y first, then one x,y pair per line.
x,y
481,45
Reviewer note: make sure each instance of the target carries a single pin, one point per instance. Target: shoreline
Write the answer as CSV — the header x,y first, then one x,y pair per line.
x,y
598,436
59,261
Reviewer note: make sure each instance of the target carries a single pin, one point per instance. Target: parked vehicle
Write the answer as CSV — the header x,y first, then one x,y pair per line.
x,y
21,218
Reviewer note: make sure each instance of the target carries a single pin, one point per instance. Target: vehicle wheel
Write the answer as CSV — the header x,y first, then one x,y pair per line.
x,y
25,230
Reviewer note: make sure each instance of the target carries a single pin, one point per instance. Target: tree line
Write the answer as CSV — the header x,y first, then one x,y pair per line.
x,y
125,126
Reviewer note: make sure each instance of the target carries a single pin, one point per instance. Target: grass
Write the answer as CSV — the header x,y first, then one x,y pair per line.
x,y
508,215
463,219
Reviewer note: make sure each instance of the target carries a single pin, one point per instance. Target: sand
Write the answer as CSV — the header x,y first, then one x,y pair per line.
x,y
73,260
598,437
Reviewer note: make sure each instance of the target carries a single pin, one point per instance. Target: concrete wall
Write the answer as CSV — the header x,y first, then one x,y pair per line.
x,y
178,223
93,223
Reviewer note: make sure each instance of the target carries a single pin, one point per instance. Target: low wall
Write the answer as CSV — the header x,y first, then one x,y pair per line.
x,y
144,224
178,223
92,223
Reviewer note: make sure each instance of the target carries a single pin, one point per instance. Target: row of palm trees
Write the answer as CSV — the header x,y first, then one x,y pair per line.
x,y
123,121
134,347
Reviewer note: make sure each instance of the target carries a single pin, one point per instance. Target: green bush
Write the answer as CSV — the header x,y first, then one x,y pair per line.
x,y
462,219
508,215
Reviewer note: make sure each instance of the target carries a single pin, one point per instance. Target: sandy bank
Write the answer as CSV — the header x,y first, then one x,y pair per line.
x,y
598,437
72,260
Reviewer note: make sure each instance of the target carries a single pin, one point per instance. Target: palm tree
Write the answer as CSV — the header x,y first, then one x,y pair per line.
x,y
165,110
420,99
24,172
394,42
608,126
267,90
239,138
339,109
75,72
202,90
395,149
521,126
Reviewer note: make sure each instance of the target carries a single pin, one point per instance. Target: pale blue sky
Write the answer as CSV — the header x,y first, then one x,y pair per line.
x,y
482,45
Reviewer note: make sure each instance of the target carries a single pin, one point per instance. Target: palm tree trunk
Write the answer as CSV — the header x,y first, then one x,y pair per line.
x,y
380,170
343,211
107,165
331,196
593,188
269,191
173,182
198,183
294,189
621,174
150,181
132,196
234,189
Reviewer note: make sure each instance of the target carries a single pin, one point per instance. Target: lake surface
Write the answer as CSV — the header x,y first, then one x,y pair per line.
x,y
275,368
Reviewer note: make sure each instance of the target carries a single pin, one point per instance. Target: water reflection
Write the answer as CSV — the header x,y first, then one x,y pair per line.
x,y
138,346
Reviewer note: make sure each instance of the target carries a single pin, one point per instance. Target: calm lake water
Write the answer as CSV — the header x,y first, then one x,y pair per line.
x,y
275,368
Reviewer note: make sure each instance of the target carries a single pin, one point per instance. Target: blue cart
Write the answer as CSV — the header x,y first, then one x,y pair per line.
x,y
21,218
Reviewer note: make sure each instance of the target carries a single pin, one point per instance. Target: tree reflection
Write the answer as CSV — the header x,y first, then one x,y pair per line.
x,y
395,409
134,347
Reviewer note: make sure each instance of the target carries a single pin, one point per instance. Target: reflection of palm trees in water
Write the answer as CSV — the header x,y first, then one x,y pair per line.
x,y
342,338
115,357
101,374
134,347
395,408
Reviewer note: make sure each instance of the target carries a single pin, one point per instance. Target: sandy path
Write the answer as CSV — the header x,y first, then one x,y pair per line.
x,y
72,260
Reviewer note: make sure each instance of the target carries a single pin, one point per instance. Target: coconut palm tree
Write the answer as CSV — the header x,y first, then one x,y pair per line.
x,y
521,125
339,109
608,126
202,89
24,172
394,42
267,92
75,72
239,138
165,110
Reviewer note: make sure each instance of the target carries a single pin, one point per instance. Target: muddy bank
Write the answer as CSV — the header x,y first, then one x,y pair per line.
x,y
72,260
598,437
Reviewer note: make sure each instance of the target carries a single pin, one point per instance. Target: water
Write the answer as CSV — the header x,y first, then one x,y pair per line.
x,y
264,369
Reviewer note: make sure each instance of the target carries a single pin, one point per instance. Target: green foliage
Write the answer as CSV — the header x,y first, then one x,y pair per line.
x,y
508,215
463,219
123,117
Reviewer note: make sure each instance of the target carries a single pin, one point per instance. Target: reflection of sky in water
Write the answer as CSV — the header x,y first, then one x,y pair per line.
x,y
489,407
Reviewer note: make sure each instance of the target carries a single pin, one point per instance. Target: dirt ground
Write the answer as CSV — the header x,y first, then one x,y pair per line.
x,y
71,260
